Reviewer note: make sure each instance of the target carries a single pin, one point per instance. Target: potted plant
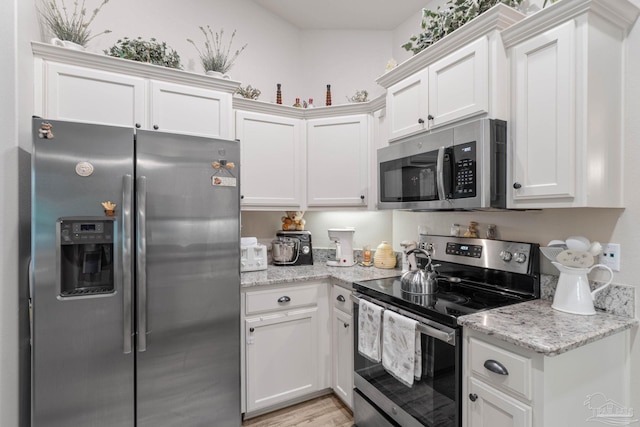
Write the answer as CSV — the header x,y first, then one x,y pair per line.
x,y
216,59
151,51
436,25
248,92
70,29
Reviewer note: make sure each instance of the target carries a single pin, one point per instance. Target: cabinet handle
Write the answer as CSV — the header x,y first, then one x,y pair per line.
x,y
496,367
473,397
346,325
251,329
156,127
340,298
284,299
517,185
421,121
138,125
430,117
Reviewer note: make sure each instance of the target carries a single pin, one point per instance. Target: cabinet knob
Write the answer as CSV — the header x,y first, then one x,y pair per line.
x,y
346,325
156,127
517,185
430,117
362,197
421,121
252,329
138,125
340,298
284,299
473,397
241,196
496,367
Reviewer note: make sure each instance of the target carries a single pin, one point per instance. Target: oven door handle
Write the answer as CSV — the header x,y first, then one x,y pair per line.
x,y
448,337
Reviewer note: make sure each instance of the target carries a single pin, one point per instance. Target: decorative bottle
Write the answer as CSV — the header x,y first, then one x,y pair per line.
x,y
310,104
328,101
297,104
279,94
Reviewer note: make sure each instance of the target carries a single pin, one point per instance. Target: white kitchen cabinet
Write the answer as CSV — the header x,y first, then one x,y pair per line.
x,y
87,87
342,380
541,390
408,105
337,161
567,114
190,110
286,345
459,84
460,77
272,153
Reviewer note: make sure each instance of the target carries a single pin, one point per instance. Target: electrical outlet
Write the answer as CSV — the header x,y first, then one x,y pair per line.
x,y
610,256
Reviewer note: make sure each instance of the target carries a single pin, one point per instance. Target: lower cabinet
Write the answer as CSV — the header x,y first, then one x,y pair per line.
x,y
508,385
342,378
286,345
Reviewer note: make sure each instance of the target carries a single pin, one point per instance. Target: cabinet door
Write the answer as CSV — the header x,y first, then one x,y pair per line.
x,y
407,105
343,356
487,407
281,357
86,95
459,84
543,123
271,157
190,110
337,160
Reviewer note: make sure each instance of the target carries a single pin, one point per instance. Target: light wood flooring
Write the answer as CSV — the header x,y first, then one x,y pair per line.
x,y
319,412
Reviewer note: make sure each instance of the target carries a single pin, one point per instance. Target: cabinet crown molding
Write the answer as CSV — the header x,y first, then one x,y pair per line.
x,y
620,13
140,69
309,113
498,18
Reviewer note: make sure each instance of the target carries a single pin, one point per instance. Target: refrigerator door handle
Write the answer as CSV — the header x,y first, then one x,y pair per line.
x,y
141,193
127,296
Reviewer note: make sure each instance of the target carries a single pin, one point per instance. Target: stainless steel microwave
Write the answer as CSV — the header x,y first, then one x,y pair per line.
x,y
464,167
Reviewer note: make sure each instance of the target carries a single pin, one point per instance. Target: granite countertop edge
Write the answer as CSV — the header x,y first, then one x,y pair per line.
x,y
521,324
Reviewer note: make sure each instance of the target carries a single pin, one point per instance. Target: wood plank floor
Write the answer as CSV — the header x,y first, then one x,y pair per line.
x,y
319,412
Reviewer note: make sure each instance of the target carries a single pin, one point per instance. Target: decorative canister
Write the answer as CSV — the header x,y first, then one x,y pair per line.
x,y
384,257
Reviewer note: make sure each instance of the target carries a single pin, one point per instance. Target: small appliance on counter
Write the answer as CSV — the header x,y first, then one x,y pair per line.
x,y
343,238
253,256
292,248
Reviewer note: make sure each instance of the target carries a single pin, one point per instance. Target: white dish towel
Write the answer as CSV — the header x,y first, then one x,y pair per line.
x,y
401,352
369,322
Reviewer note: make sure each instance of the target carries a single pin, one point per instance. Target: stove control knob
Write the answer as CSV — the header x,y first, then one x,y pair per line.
x,y
506,256
519,257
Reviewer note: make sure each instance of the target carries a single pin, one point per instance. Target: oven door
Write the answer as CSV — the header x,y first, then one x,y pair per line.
x,y
433,400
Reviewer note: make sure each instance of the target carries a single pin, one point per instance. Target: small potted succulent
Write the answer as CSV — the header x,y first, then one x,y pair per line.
x,y
216,59
248,92
69,28
151,51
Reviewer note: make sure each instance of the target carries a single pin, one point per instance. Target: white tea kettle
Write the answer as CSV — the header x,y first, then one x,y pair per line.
x,y
573,294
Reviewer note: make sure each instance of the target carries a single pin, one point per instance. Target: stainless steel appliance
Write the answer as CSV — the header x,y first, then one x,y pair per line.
x,y
474,275
136,307
292,248
463,167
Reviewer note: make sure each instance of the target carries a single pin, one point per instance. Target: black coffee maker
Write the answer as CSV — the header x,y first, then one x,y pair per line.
x,y
292,248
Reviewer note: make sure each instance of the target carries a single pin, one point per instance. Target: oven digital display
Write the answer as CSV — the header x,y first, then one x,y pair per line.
x,y
473,251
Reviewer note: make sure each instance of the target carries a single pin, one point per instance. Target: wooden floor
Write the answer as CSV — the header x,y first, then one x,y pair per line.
x,y
322,411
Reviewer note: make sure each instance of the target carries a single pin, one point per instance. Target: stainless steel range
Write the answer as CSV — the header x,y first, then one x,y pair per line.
x,y
473,275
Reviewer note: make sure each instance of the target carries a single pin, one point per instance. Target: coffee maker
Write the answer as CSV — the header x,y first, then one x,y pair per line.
x,y
292,248
343,238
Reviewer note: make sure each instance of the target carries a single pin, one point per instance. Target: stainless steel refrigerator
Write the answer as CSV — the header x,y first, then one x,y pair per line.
x,y
135,307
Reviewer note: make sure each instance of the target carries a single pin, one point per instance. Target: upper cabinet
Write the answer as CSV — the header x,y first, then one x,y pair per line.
x,y
94,88
461,76
566,123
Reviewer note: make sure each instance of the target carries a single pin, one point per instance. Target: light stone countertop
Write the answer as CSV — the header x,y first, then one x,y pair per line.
x,y
274,275
536,326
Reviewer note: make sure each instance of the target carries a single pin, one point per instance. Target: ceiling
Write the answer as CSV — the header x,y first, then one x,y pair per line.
x,y
344,14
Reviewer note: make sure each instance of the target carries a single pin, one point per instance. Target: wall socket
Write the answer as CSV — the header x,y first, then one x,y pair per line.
x,y
610,256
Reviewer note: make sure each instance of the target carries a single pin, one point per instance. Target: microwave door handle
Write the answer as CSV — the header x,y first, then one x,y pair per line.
x,y
440,173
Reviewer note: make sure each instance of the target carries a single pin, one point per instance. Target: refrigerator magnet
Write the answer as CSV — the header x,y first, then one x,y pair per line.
x,y
84,168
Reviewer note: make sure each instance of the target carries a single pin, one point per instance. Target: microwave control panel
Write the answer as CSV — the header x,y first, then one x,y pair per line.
x,y
464,170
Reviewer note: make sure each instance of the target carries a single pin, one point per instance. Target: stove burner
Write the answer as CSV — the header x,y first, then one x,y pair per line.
x,y
489,300
453,298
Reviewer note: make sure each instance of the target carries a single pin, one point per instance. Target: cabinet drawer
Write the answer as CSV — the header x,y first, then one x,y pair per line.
x,y
341,299
281,299
517,377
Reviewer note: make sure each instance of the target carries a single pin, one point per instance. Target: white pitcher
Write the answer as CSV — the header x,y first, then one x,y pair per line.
x,y
573,294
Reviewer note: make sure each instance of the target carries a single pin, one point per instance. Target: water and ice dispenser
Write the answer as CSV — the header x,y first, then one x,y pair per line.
x,y
86,256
